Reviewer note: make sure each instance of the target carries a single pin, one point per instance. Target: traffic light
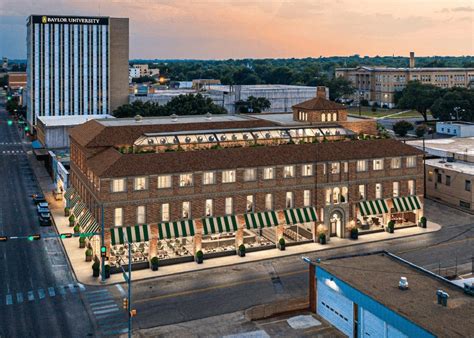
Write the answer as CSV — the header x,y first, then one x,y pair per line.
x,y
133,313
27,128
10,122
9,97
34,237
125,304
66,235
3,238
103,251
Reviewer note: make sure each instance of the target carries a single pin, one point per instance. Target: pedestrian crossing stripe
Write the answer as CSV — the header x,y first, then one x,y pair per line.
x,y
42,293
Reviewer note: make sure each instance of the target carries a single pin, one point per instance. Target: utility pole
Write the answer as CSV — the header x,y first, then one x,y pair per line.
x,y
102,242
129,290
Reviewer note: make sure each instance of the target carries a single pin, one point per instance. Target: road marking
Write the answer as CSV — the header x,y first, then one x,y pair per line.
x,y
51,292
101,312
110,306
81,287
19,297
115,332
97,291
31,296
71,287
222,286
121,290
41,293
102,302
9,300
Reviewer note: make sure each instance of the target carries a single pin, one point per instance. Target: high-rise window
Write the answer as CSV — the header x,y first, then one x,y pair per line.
x,y
209,207
307,198
335,167
289,171
307,170
185,180
228,176
268,202
361,192
378,164
396,163
250,174
268,173
396,189
229,206
140,183
361,165
378,190
164,181
411,162
118,217
118,185
209,177
289,200
186,210
165,212
411,187
250,205
141,218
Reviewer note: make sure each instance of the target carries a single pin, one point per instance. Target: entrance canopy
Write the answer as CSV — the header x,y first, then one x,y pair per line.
x,y
137,233
409,203
222,224
300,215
374,207
261,220
171,230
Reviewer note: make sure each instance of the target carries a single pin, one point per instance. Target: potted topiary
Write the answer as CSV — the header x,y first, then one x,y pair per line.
x,y
322,238
281,244
88,255
241,250
199,257
107,270
154,263
82,242
391,227
77,229
354,233
96,268
423,222
72,220
66,212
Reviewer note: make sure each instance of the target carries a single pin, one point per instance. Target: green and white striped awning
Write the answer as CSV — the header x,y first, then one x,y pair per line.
x,y
214,225
78,209
92,227
176,229
84,219
74,200
374,207
69,192
137,233
409,203
261,220
300,215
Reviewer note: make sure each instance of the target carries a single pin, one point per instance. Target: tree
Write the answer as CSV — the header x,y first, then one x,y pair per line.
x,y
401,128
418,96
253,105
420,131
444,106
143,79
339,87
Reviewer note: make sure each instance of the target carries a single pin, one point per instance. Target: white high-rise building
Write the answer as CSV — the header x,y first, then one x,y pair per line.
x,y
76,65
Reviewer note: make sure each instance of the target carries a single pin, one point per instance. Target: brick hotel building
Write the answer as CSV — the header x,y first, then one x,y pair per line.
x,y
175,185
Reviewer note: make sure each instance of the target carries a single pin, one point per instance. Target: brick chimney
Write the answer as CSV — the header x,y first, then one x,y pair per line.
x,y
321,92
412,59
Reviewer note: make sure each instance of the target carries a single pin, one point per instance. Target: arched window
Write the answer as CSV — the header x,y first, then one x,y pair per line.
x,y
334,116
329,117
336,195
344,195
328,196
323,117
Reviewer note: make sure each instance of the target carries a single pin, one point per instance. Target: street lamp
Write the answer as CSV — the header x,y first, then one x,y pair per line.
x,y
457,110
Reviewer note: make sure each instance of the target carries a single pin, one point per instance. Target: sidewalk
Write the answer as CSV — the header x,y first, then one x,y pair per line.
x,y
83,270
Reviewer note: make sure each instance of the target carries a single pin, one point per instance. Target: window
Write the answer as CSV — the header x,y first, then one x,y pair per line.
x,y
118,185
344,195
208,207
448,180
361,165
164,181
249,205
229,205
324,168
185,180
467,185
346,167
228,176
268,173
396,189
186,212
411,187
288,171
141,214
118,217
289,200
411,162
307,170
396,163
430,176
335,167
466,205
307,198
378,164
165,212
268,202
140,183
378,190
328,196
362,192
209,177
439,178
336,195
250,175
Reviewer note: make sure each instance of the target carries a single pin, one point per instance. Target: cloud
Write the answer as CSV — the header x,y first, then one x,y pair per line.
x,y
463,9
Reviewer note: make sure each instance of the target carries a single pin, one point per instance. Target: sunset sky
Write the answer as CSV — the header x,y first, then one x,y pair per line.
x,y
219,29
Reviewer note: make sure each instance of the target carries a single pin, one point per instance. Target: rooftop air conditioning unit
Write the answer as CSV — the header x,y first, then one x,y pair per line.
x,y
403,283
450,159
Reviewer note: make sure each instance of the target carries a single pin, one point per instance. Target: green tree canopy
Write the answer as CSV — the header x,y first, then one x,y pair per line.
x,y
253,105
401,128
419,96
462,98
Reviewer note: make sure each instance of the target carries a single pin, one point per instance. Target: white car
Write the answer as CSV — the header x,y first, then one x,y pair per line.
x,y
43,207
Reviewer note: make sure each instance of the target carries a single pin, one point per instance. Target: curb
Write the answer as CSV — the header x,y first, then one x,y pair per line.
x,y
356,243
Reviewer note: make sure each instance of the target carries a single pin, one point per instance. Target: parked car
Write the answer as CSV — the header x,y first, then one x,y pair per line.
x,y
44,219
42,207
38,198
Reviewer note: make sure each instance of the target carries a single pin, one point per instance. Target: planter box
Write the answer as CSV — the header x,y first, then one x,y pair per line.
x,y
154,267
281,247
82,245
199,260
241,253
95,273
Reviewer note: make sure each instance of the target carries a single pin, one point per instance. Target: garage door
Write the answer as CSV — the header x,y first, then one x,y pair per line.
x,y
373,326
335,308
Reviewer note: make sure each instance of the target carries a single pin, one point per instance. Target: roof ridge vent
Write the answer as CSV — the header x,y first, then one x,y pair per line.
x,y
174,117
138,118
208,116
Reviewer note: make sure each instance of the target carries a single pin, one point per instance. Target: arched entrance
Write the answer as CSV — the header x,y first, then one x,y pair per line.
x,y
336,222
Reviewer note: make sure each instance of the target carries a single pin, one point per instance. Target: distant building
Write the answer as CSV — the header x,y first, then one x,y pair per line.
x,y
144,70
133,73
458,128
200,84
76,65
5,63
380,84
381,295
16,80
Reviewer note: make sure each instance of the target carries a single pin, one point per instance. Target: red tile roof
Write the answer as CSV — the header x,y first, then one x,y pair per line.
x,y
319,103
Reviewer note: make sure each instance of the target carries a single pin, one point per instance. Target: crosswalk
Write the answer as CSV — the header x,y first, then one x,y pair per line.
x,y
10,143
41,294
12,152
111,319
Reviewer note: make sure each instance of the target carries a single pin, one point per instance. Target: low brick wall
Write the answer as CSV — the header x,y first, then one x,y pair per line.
x,y
272,309
368,126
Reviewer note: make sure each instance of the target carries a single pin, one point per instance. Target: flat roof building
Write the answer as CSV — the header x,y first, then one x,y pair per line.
x,y
76,65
